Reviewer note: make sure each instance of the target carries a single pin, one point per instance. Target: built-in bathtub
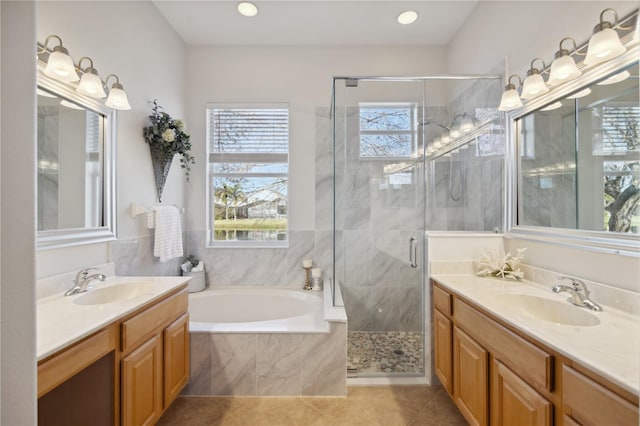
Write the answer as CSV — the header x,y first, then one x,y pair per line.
x,y
266,341
257,310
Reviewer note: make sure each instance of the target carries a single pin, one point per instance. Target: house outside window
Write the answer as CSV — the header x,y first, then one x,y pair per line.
x,y
248,151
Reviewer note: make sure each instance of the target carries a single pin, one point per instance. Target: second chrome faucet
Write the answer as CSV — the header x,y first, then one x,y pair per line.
x,y
579,294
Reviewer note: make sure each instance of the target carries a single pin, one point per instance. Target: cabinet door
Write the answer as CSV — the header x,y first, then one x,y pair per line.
x,y
470,378
142,384
443,349
176,358
514,402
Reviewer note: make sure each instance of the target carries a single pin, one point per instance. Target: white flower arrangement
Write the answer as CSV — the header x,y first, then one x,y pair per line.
x,y
501,265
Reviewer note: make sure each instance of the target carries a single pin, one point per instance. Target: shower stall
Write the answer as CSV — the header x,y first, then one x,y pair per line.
x,y
402,153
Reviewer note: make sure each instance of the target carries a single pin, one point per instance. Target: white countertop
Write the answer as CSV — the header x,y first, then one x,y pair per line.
x,y
610,348
61,322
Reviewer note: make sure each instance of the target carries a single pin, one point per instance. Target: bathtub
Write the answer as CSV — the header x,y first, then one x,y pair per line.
x,y
257,310
266,341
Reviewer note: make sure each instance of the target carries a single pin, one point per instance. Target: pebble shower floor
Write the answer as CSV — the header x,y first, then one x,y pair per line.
x,y
382,352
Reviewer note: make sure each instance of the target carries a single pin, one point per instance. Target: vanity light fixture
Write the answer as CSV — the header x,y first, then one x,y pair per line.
x,y
563,67
605,43
407,17
534,84
117,96
510,98
248,9
455,131
552,106
616,78
90,83
580,94
59,65
466,124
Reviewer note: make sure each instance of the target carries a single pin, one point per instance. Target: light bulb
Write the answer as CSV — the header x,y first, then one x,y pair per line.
x,y
60,66
91,85
563,68
247,9
616,78
533,85
117,98
510,99
604,44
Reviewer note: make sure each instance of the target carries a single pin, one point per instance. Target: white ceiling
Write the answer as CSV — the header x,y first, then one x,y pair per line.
x,y
313,22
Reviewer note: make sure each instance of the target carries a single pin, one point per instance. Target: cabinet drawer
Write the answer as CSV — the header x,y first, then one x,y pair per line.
x,y
527,360
142,326
590,403
442,300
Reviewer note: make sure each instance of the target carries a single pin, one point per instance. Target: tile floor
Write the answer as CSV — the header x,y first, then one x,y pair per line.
x,y
383,352
367,406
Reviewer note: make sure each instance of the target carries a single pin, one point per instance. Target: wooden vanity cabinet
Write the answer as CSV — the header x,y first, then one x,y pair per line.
x,y
502,377
470,378
142,361
155,345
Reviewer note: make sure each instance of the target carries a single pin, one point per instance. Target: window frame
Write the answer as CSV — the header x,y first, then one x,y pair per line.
x,y
243,157
413,132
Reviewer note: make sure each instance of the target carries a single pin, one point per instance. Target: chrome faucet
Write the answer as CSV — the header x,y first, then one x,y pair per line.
x,y
81,283
579,294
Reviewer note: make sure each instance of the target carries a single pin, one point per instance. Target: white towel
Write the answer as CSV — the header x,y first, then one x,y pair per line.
x,y
168,236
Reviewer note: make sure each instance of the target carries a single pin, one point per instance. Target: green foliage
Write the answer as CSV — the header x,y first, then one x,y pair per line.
x,y
193,260
168,134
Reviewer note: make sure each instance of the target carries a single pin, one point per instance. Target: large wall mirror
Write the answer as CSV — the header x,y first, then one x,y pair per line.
x,y
76,167
576,162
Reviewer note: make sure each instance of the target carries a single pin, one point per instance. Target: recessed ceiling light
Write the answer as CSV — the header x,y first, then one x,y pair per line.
x,y
247,9
407,17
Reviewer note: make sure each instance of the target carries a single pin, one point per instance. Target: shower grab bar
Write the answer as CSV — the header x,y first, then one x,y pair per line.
x,y
413,252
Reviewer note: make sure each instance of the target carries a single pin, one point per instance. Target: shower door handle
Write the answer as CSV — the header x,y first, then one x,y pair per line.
x,y
413,252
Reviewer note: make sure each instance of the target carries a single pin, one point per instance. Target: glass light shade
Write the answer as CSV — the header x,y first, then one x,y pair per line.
x,y
510,100
604,45
247,9
616,78
580,94
445,138
117,98
563,69
552,106
466,125
436,142
533,86
91,85
60,66
454,132
407,17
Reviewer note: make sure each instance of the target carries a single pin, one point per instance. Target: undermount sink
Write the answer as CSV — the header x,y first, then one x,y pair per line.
x,y
550,310
115,293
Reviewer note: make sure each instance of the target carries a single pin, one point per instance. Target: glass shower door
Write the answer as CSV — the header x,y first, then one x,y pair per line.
x,y
380,221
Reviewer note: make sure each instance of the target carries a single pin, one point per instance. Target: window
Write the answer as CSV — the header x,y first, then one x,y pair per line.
x,y
248,149
387,130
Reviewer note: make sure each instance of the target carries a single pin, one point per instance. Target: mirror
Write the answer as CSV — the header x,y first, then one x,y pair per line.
x,y
76,145
577,162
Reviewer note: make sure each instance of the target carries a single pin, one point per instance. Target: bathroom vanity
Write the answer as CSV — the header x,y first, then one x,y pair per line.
x,y
508,353
118,354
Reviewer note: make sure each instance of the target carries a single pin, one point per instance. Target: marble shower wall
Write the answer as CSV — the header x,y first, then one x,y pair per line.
x,y
465,190
374,220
